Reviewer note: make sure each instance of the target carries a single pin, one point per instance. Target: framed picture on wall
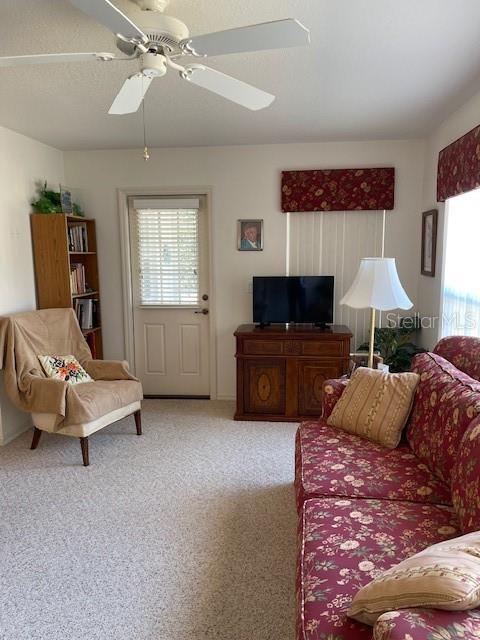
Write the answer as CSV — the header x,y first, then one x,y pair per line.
x,y
429,241
250,235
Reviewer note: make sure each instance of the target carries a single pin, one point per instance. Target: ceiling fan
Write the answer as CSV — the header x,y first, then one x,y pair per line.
x,y
158,41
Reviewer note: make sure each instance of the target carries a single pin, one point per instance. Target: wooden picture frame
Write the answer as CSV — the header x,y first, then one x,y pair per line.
x,y
250,235
429,242
66,200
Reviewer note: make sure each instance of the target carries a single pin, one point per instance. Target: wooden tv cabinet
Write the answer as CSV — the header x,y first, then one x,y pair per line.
x,y
281,369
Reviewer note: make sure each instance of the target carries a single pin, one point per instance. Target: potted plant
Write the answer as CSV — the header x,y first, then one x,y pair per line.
x,y
395,343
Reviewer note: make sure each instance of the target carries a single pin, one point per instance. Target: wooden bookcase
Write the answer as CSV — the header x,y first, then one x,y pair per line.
x,y
53,258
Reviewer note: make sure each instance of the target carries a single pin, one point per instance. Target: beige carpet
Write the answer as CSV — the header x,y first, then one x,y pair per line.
x,y
183,534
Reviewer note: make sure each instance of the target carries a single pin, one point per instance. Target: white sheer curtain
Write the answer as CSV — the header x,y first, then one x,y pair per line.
x,y
461,278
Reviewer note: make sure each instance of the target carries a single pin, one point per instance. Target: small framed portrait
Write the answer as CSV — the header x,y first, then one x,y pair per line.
x,y
250,235
429,241
66,200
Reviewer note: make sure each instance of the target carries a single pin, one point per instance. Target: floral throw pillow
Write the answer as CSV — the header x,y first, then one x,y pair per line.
x,y
66,368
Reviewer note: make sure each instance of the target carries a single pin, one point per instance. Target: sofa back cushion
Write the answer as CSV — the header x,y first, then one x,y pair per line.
x,y
466,479
463,352
446,402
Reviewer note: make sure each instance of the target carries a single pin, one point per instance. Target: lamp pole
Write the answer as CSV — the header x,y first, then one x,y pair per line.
x,y
372,338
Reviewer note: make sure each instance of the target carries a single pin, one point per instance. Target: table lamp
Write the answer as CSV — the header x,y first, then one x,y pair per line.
x,y
377,286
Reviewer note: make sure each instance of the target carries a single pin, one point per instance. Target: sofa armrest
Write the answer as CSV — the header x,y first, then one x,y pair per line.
x,y
426,624
332,390
108,370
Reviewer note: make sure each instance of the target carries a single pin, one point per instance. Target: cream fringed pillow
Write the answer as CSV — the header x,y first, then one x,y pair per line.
x,y
444,576
375,405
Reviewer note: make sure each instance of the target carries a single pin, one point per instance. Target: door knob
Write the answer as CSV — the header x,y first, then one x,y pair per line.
x,y
202,311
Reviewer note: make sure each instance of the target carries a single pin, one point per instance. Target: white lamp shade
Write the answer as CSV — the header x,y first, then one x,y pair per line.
x,y
378,286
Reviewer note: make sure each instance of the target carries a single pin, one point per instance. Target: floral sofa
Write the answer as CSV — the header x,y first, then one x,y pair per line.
x,y
363,508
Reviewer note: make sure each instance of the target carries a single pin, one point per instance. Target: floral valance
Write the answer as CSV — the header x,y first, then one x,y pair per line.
x,y
459,166
338,190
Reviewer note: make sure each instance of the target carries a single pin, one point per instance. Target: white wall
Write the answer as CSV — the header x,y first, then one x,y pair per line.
x,y
23,161
334,242
245,182
455,126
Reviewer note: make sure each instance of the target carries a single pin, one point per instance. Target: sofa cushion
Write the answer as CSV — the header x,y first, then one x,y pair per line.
x,y
427,624
446,402
344,544
332,391
463,352
445,575
375,405
330,462
466,479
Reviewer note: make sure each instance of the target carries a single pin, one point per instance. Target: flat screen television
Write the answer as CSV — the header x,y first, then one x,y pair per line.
x,y
300,299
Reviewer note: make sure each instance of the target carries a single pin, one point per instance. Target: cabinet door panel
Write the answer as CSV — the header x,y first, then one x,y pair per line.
x,y
264,390
311,376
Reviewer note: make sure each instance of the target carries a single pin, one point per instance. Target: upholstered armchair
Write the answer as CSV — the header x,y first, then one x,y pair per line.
x,y
56,406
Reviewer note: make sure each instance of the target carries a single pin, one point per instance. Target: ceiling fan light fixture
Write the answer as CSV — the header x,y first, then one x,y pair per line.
x,y
154,65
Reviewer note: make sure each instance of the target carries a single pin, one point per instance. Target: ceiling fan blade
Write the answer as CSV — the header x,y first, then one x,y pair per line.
x,y
227,87
48,58
106,13
130,96
279,34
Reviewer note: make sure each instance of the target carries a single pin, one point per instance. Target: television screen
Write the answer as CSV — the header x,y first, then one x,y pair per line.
x,y
293,299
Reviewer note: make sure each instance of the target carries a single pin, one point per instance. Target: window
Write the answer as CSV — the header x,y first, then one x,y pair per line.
x,y
461,276
167,255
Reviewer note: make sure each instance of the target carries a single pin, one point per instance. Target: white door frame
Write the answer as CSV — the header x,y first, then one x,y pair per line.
x,y
123,196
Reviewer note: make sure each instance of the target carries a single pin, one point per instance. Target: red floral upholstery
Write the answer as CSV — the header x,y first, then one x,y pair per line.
x,y
346,543
428,624
332,390
466,479
463,352
446,402
331,462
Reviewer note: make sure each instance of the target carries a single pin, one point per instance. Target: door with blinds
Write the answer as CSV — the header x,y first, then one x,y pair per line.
x,y
169,262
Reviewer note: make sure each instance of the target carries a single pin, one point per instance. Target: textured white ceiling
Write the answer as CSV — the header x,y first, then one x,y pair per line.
x,y
375,69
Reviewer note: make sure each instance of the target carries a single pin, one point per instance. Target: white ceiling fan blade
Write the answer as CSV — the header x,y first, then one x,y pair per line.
x,y
130,96
48,58
106,13
227,87
279,34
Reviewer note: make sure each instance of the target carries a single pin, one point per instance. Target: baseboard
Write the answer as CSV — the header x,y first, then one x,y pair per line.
x,y
225,397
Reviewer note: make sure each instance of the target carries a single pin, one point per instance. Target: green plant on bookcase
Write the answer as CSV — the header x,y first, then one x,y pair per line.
x,y
49,201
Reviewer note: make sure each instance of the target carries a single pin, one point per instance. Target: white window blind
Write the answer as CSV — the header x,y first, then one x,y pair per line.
x,y
461,285
167,254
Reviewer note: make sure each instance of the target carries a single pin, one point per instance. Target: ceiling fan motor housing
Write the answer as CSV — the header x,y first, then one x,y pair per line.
x,y
163,32
152,5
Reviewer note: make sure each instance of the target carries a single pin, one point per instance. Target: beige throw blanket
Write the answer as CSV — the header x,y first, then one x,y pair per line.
x,y
25,336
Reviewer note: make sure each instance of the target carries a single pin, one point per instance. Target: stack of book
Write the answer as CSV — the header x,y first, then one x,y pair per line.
x,y
77,238
77,278
87,312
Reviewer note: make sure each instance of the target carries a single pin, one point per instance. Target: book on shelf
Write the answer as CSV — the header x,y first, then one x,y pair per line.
x,y
92,343
87,312
77,278
78,238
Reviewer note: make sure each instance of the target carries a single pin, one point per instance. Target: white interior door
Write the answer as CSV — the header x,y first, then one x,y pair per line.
x,y
169,262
